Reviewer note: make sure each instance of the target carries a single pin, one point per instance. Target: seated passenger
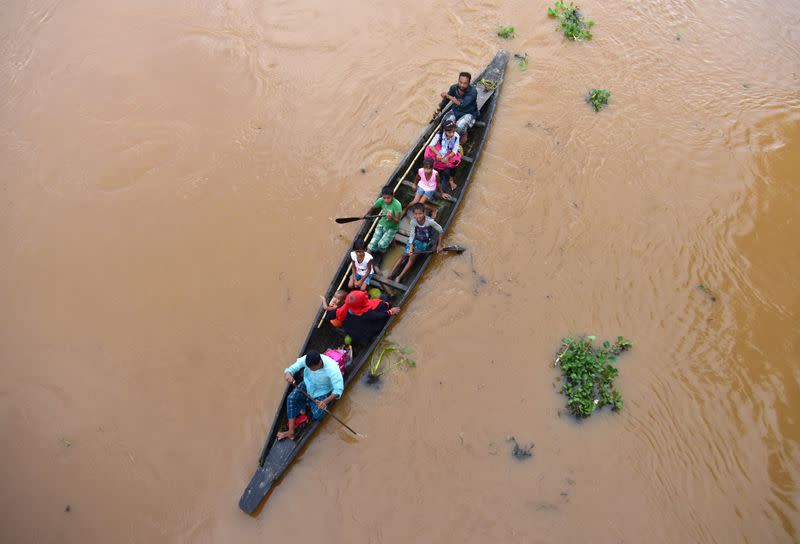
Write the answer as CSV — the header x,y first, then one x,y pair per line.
x,y
322,381
390,208
419,239
362,266
444,150
363,318
425,184
330,308
464,97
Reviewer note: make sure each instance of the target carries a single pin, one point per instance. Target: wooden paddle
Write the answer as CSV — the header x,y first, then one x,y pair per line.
x,y
327,412
341,220
454,249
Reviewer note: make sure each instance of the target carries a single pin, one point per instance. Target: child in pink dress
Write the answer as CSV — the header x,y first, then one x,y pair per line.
x,y
425,184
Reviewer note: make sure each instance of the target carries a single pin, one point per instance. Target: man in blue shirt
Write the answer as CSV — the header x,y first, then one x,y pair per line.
x,y
464,97
323,382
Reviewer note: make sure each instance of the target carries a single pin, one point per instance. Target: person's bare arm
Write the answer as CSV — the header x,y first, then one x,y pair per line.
x,y
323,404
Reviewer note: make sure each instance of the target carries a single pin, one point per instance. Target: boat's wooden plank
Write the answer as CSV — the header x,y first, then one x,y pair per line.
x,y
404,227
389,283
278,458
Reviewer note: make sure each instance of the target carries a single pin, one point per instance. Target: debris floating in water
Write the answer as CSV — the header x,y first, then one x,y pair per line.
x,y
520,452
708,292
522,60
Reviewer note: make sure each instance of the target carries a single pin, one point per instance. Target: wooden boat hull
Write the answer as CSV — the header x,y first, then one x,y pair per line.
x,y
276,456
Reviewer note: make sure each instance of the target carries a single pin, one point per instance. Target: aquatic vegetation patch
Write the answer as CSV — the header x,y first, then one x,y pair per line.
x,y
488,84
522,61
598,98
588,372
571,21
505,31
706,290
385,357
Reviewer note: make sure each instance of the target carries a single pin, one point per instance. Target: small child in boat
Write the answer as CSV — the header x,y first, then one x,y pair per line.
x,y
444,149
362,266
391,209
420,239
330,308
425,183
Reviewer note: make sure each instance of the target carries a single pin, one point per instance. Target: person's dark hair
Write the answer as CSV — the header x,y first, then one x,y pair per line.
x,y
466,75
313,358
449,125
427,162
418,206
387,190
358,245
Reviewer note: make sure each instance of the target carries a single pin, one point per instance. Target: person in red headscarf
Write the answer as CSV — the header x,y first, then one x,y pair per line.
x,y
363,318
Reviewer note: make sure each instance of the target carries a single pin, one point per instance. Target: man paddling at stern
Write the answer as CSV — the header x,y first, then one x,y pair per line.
x,y
464,112
322,380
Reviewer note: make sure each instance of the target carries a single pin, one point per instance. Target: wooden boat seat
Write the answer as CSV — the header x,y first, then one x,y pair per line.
x,y
404,228
389,283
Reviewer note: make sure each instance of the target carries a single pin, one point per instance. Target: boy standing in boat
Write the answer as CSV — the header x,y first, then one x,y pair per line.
x,y
322,381
464,112
391,210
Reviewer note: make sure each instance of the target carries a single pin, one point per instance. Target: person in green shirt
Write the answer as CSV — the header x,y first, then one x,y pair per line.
x,y
391,210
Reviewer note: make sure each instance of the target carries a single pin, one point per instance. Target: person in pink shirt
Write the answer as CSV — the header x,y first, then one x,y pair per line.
x,y
425,184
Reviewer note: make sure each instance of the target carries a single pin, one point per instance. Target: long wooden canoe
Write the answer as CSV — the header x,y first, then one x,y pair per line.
x,y
276,456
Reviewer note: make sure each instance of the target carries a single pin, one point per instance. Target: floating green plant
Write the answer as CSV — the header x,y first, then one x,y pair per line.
x,y
488,84
708,292
377,365
598,98
522,61
588,372
505,32
571,21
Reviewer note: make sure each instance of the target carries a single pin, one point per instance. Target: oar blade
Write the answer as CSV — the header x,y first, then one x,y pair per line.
x,y
342,220
455,249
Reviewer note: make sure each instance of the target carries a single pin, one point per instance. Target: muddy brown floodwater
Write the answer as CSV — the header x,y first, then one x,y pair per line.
x,y
169,175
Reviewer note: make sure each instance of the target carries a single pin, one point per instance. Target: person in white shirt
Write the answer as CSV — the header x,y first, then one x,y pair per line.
x,y
362,266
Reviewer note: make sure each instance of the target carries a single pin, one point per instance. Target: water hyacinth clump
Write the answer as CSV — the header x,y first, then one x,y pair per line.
x,y
588,373
571,21
505,31
598,98
522,60
379,363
